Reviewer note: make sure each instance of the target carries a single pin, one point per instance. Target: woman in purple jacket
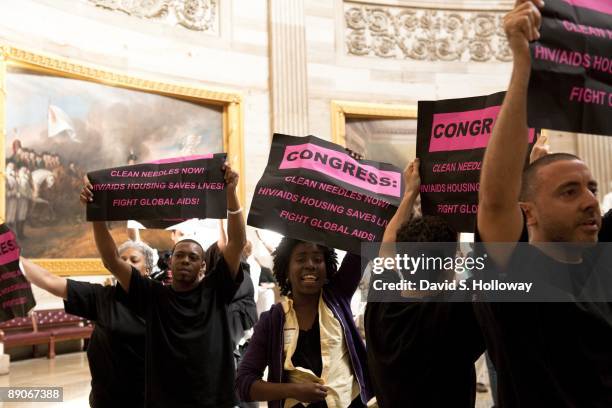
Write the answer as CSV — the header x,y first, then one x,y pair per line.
x,y
308,341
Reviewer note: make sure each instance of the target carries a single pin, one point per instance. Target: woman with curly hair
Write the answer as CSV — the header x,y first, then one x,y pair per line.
x,y
308,341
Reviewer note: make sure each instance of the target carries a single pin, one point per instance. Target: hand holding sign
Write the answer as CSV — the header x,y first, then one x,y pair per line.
x,y
570,84
316,191
412,178
522,25
16,297
86,193
230,177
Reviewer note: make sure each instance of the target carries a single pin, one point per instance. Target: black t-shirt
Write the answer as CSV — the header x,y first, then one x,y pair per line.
x,y
189,357
549,354
242,310
308,355
266,276
422,353
308,350
117,346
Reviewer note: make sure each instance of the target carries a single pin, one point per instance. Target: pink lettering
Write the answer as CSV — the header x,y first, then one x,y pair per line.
x,y
447,208
464,130
603,6
450,188
586,30
588,95
294,217
323,205
341,167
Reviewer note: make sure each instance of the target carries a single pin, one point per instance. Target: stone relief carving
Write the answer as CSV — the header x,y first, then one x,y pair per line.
x,y
199,15
425,34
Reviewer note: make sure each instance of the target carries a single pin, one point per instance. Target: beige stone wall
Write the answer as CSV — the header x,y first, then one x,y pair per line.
x,y
235,58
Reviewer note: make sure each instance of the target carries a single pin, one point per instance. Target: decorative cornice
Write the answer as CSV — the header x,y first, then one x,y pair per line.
x,y
73,267
425,34
471,5
76,70
198,15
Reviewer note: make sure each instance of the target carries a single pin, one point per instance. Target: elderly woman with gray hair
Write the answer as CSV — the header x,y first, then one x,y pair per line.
x,y
117,346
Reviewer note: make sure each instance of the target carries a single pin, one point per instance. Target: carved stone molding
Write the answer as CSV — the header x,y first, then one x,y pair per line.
x,y
425,34
198,15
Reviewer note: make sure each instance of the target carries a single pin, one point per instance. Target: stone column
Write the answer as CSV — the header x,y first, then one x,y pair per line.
x,y
288,77
596,151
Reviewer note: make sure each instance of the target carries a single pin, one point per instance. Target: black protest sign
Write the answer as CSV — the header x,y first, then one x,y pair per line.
x,y
452,136
171,190
570,88
16,297
315,191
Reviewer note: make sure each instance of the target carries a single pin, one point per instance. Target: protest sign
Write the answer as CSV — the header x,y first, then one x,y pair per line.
x,y
570,88
16,297
315,191
171,190
452,135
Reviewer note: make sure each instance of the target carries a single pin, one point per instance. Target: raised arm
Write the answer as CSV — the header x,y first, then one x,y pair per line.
x,y
412,180
39,276
222,241
106,245
499,214
236,230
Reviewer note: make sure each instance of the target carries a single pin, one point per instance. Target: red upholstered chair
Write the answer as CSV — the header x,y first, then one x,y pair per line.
x,y
45,327
22,331
62,327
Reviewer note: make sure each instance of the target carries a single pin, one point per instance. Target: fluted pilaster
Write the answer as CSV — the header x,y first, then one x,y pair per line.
x,y
288,77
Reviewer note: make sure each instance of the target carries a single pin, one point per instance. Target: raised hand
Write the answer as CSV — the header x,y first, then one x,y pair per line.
x,y
231,177
412,177
86,195
540,149
522,25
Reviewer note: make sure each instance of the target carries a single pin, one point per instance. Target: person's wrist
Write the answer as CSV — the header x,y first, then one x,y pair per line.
x,y
412,188
291,391
234,212
521,54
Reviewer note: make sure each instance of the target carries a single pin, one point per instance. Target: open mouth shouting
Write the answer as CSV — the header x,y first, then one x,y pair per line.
x,y
309,279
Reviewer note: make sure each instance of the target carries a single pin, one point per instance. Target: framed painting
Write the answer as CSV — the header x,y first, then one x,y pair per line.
x,y
60,119
380,132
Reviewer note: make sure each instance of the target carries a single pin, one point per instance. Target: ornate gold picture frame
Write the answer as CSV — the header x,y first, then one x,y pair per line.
x,y
384,123
228,105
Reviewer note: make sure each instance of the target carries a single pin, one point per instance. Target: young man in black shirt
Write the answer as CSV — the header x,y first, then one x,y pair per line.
x,y
421,352
188,358
546,354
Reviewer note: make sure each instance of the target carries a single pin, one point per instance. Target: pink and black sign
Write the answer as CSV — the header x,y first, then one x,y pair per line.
x,y
315,191
16,297
570,88
168,190
452,135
